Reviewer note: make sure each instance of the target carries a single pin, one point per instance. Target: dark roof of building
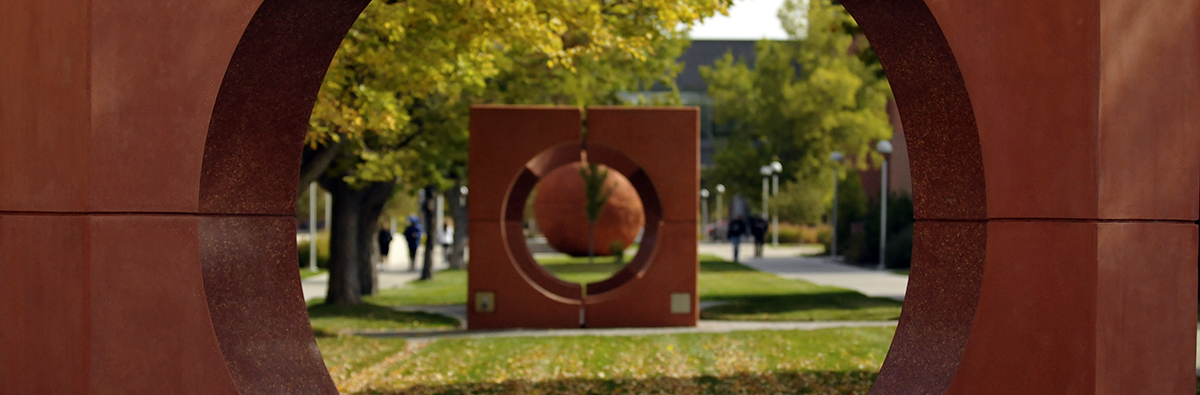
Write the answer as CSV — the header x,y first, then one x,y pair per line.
x,y
705,53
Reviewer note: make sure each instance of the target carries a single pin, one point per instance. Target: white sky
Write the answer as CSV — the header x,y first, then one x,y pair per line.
x,y
747,20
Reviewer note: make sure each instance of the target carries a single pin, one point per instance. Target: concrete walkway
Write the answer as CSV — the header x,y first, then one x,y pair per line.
x,y
787,262
393,274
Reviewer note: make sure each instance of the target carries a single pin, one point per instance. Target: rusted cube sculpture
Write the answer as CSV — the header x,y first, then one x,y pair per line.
x,y
657,149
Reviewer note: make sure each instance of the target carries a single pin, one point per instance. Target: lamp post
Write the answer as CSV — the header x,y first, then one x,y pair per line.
x,y
884,147
312,227
328,211
836,157
720,194
461,228
439,219
704,212
766,173
776,168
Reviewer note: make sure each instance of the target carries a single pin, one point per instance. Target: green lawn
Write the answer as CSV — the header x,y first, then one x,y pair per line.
x,y
752,295
833,361
577,269
366,317
305,273
447,287
760,296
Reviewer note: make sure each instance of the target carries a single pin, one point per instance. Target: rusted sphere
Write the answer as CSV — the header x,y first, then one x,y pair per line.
x,y
560,214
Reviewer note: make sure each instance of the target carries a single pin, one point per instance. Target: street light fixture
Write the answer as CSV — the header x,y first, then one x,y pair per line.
x,y
704,212
312,226
766,173
884,147
836,157
776,168
720,195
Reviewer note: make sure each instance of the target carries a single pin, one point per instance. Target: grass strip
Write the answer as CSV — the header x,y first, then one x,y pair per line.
x,y
831,361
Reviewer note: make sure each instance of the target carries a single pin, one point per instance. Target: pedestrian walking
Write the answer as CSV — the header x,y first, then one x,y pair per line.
x,y
758,229
385,242
737,228
412,235
447,240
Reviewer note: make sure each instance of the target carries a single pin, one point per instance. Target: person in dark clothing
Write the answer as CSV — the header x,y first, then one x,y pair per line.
x,y
758,229
737,228
385,241
412,235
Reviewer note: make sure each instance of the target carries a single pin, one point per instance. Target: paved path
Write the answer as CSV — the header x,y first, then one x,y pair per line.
x,y
394,274
787,262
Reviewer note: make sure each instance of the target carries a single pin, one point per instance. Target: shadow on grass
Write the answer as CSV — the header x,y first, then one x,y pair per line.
x,y
576,270
788,382
606,265
334,319
819,306
709,264
562,268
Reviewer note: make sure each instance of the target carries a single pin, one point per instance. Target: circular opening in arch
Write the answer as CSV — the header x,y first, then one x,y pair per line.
x,y
579,279
927,69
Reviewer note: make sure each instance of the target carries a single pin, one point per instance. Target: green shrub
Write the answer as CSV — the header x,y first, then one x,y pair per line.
x,y
899,249
812,234
824,233
790,233
802,234
855,248
863,247
858,225
852,209
322,251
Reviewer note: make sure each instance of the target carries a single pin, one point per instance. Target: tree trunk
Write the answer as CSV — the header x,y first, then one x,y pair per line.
x,y
430,232
352,238
374,197
314,163
344,284
458,211
591,242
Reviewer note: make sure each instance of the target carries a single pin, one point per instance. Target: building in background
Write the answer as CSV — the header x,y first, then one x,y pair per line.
x,y
694,92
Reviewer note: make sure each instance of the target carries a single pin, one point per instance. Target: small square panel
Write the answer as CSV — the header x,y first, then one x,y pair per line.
x,y
485,302
681,303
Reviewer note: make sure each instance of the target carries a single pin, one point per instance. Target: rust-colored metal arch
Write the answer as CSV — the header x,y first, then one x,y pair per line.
x,y
1073,271
146,202
949,195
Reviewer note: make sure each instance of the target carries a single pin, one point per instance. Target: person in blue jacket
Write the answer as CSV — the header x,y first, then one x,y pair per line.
x,y
412,235
737,228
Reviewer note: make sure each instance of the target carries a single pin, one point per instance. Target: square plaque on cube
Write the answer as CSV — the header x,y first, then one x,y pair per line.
x,y
681,303
485,302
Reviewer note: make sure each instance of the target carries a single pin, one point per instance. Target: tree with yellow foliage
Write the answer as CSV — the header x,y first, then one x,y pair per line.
x,y
391,108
